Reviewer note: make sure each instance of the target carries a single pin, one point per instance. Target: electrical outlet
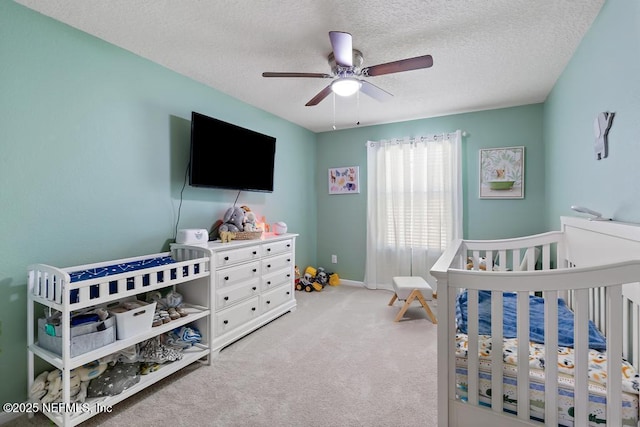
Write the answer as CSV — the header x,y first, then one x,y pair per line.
x,y
334,259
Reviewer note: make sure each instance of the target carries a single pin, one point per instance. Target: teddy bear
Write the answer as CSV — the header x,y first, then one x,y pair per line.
x,y
250,222
232,220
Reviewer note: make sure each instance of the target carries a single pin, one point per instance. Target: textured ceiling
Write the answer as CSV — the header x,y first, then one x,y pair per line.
x,y
487,54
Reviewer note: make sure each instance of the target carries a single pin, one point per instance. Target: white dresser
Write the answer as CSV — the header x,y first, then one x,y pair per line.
x,y
252,283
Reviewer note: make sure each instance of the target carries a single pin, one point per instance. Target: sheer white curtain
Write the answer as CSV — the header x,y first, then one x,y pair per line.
x,y
414,205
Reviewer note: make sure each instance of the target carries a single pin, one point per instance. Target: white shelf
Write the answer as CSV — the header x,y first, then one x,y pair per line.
x,y
194,313
98,405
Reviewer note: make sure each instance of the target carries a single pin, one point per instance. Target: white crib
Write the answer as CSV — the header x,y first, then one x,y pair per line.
x,y
594,266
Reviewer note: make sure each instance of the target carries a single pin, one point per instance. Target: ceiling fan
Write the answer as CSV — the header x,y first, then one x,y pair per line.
x,y
347,71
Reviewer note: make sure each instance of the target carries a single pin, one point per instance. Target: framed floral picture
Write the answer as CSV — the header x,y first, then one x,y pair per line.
x,y
344,180
502,173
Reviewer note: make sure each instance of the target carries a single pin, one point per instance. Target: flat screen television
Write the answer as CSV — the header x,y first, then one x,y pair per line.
x,y
224,155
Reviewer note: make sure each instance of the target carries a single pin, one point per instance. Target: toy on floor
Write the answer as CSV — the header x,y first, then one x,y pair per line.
x,y
296,275
334,279
314,279
305,283
322,278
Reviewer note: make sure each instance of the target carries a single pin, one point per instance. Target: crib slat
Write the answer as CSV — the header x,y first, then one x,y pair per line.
x,y
614,362
581,343
516,259
497,343
523,355
546,257
551,351
473,355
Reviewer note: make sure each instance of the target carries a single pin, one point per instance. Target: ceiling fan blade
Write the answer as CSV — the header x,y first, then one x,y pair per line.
x,y
408,64
314,75
319,97
342,46
374,91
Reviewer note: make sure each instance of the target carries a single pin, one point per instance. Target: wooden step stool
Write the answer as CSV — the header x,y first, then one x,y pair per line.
x,y
408,288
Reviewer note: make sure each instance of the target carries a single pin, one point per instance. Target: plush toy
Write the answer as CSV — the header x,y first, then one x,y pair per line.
x,y
227,236
250,222
232,220
482,264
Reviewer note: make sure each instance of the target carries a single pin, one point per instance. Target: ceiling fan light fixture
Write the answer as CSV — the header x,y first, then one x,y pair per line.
x,y
346,86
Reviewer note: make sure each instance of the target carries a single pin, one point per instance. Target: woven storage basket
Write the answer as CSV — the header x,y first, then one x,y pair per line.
x,y
247,235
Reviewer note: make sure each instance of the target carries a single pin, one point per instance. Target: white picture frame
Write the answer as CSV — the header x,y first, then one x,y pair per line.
x,y
501,173
344,180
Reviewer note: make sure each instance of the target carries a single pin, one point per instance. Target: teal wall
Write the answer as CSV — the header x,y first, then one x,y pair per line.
x,y
342,218
603,75
94,146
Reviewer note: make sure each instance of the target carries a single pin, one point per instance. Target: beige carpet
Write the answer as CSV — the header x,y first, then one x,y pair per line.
x,y
338,360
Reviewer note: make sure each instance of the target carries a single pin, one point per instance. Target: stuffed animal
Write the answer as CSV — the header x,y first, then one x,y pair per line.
x,y
250,222
482,264
227,236
232,220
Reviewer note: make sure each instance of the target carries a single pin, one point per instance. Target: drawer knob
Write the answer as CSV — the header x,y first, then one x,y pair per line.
x,y
225,321
226,278
254,252
253,309
226,298
268,265
288,245
254,288
288,292
288,259
269,282
255,269
268,302
268,249
226,258
289,275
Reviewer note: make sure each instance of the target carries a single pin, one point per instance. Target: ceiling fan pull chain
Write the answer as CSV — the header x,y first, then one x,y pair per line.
x,y
358,108
334,111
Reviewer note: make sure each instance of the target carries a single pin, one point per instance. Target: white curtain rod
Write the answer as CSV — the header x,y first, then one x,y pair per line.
x,y
422,138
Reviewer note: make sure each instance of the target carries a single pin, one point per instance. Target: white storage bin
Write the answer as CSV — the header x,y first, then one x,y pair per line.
x,y
132,321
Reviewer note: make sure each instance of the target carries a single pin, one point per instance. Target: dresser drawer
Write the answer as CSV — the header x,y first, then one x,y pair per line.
x,y
235,256
274,248
271,299
237,315
275,263
276,279
232,275
229,295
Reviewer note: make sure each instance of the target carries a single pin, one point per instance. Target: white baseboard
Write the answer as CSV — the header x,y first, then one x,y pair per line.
x,y
351,283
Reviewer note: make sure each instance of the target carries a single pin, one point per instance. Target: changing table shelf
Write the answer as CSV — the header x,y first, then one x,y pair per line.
x,y
186,271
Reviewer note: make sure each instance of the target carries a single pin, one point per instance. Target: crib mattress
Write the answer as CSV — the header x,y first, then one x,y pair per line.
x,y
597,381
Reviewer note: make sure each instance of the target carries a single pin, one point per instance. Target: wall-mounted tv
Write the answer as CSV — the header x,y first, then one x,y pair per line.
x,y
224,155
